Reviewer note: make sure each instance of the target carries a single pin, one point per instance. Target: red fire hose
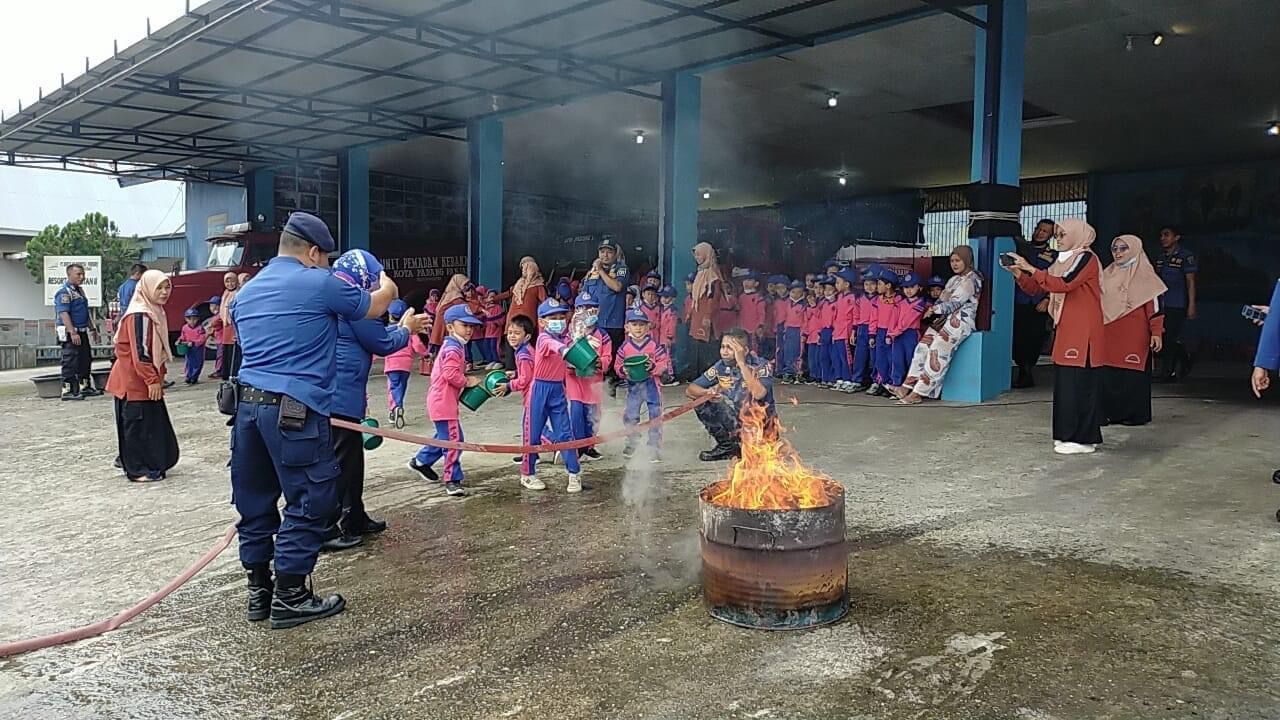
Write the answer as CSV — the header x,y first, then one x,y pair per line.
x,y
18,647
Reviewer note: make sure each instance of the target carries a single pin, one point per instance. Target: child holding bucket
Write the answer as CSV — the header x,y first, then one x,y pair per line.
x,y
642,359
546,398
397,366
193,336
448,380
585,391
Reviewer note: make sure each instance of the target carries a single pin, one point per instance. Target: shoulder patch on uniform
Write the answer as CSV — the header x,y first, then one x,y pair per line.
x,y
762,370
711,373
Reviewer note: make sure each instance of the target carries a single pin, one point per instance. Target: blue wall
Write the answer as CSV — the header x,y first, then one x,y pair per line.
x,y
209,207
1229,216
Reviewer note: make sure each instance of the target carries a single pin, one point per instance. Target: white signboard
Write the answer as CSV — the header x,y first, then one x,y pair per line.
x,y
55,274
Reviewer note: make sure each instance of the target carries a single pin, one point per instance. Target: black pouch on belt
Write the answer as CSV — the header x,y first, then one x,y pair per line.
x,y
228,397
293,414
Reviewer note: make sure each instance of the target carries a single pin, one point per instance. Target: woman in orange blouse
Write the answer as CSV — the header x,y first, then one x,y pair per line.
x,y
148,447
1134,329
1075,304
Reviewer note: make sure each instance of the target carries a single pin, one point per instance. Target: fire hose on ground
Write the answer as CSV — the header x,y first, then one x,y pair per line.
x,y
19,647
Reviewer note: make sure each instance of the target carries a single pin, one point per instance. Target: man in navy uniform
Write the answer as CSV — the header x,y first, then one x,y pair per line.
x,y
1267,359
1030,312
1177,267
739,377
130,284
71,309
287,322
607,282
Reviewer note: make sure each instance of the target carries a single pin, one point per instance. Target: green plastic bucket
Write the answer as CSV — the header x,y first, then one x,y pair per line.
x,y
474,397
371,442
493,380
637,368
181,349
582,357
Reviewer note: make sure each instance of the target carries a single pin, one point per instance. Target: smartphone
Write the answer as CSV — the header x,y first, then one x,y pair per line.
x,y
1252,313
1006,260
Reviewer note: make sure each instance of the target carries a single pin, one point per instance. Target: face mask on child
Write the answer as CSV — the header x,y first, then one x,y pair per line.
x,y
590,320
555,327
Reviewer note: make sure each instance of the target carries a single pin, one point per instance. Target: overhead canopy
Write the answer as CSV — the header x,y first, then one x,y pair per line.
x,y
236,84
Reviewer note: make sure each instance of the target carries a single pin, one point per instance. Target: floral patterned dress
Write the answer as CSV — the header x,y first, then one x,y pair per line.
x,y
932,358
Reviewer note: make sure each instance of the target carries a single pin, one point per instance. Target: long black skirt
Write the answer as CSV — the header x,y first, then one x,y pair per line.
x,y
1077,415
148,447
1126,396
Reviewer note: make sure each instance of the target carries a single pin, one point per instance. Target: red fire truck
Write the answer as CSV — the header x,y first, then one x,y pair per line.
x,y
239,249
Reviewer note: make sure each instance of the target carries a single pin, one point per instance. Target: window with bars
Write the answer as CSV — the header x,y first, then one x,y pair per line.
x,y
946,217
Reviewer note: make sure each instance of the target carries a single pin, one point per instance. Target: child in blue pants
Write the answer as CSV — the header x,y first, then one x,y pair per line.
x,y
639,343
547,401
792,329
448,380
886,317
193,336
865,318
906,331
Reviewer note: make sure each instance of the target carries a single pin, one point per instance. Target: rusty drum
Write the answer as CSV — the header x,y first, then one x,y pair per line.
x,y
774,569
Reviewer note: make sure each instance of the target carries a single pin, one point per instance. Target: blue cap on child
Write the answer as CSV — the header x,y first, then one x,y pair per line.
x,y
826,280
191,312
552,306
667,291
215,300
778,280
637,315
936,281
653,274
586,299
397,308
797,284
689,278
849,275
890,277
460,313
910,280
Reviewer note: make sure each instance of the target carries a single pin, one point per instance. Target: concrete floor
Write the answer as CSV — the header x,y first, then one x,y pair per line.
x,y
988,579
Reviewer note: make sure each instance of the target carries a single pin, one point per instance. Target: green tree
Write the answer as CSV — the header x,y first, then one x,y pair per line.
x,y
94,234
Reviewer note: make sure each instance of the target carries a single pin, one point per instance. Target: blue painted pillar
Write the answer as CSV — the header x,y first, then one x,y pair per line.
x,y
981,368
678,199
260,198
353,199
484,194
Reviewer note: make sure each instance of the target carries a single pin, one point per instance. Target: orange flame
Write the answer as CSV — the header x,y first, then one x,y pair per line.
x,y
769,475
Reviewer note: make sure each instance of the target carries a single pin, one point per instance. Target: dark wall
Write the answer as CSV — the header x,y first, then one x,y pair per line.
x,y
1229,216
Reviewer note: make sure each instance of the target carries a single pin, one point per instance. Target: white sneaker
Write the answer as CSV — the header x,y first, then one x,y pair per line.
x,y
575,484
529,482
1070,448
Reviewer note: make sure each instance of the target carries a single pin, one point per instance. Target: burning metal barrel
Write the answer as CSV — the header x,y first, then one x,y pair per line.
x,y
776,569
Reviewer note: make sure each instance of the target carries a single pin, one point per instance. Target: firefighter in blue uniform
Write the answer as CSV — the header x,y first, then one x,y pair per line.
x,y
1267,359
1030,312
739,377
287,321
1178,268
71,309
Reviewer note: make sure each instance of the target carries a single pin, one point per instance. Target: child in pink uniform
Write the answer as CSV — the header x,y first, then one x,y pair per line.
x,y
193,335
649,304
397,366
865,337
448,379
585,393
546,401
826,327
812,338
846,317
886,319
792,349
645,392
666,328
751,310
905,334
494,322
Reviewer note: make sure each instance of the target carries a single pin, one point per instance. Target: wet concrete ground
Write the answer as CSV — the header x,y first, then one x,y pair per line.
x,y
988,578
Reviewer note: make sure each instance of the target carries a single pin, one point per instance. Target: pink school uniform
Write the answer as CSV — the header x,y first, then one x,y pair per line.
x,y
646,392
842,328
397,367
448,379
751,316
586,393
545,402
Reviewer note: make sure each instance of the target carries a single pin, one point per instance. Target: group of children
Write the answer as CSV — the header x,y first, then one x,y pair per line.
x,y
561,402
194,338
846,331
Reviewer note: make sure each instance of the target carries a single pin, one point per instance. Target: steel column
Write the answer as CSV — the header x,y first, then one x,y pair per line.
x,y
484,207
260,198
678,199
353,199
981,367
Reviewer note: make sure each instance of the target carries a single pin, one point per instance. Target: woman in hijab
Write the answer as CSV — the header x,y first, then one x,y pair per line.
x,y
951,320
1074,284
148,447
705,303
228,362
455,293
1134,328
529,290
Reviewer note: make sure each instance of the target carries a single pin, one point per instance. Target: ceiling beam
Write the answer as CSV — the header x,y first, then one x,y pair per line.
x,y
952,8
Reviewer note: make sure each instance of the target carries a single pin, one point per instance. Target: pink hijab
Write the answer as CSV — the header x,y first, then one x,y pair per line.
x,y
1131,285
1073,236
